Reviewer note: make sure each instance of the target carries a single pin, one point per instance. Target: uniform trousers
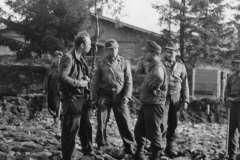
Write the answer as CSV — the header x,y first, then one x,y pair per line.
x,y
234,126
148,126
107,102
171,116
76,124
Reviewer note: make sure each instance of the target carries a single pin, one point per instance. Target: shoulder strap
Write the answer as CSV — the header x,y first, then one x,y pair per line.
x,y
72,68
165,85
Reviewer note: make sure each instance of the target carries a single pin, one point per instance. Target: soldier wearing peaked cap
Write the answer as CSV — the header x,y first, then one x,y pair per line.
x,y
141,70
112,89
232,101
177,95
152,97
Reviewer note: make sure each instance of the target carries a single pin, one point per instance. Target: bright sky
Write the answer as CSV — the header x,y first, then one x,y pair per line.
x,y
140,13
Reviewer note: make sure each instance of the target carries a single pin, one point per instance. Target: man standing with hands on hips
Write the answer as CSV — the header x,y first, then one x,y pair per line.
x,y
177,96
74,81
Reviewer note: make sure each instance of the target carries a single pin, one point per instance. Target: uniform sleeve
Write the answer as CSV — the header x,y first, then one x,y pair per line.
x,y
185,86
227,90
139,74
64,71
128,81
95,83
157,81
45,83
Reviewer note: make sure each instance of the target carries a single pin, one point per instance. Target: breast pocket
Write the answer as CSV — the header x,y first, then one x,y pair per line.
x,y
177,75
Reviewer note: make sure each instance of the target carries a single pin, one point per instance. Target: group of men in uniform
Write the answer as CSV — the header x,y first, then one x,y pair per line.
x,y
164,91
159,112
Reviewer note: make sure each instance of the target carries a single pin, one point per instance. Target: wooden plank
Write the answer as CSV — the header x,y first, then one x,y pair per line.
x,y
203,92
8,93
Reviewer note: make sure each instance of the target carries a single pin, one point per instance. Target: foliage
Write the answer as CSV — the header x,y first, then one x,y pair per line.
x,y
47,25
236,22
205,109
204,36
167,14
113,8
208,38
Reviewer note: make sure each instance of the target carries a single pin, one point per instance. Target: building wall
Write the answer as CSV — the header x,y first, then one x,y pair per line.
x,y
130,40
109,30
4,50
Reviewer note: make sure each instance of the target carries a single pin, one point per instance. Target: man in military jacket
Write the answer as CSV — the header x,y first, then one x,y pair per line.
x,y
177,96
232,101
153,98
112,89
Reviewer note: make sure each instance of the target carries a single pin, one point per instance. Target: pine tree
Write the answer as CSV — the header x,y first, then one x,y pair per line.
x,y
203,36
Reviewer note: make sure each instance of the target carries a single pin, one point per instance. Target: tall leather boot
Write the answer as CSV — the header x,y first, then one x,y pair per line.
x,y
169,150
139,154
156,153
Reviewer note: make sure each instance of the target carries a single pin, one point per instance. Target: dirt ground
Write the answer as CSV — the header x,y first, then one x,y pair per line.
x,y
27,132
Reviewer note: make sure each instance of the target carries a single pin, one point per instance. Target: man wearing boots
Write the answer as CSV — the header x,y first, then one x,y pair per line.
x,y
112,89
152,97
232,101
177,95
73,78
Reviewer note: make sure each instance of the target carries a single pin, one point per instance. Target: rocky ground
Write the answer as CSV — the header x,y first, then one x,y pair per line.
x,y
27,132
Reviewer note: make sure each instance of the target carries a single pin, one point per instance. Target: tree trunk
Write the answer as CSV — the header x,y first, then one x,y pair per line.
x,y
96,39
97,27
238,46
169,23
182,29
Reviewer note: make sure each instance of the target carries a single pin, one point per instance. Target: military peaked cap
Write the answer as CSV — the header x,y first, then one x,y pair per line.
x,y
171,45
58,53
111,43
152,46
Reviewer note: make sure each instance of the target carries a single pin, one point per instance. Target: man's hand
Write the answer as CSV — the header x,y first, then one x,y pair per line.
x,y
229,99
228,104
83,83
86,78
184,105
125,100
94,104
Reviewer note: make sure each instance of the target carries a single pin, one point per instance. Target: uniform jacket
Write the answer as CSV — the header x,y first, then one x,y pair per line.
x,y
141,70
51,86
154,88
50,76
177,79
112,78
232,88
71,73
